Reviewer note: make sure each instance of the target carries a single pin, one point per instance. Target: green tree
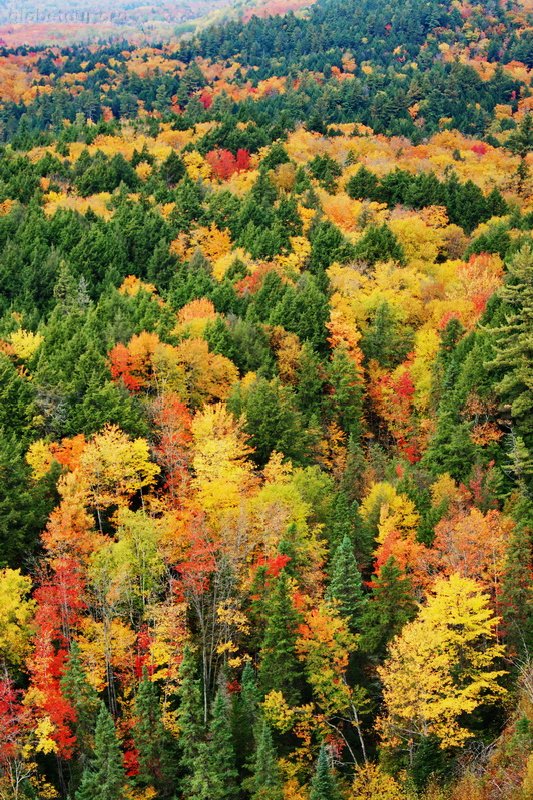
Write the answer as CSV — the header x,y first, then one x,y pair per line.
x,y
517,588
345,586
245,712
513,344
190,711
323,785
279,667
83,699
104,778
215,774
265,783
389,608
150,739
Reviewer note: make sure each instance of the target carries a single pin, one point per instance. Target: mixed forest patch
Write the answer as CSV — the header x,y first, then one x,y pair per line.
x,y
266,449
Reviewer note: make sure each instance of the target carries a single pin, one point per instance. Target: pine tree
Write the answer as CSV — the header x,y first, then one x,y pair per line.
x,y
245,711
346,398
150,737
323,786
390,607
265,783
280,669
345,586
83,699
190,711
517,588
215,774
513,342
104,778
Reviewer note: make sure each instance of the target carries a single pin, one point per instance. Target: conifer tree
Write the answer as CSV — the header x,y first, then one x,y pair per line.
x,y
513,345
245,711
190,711
104,778
215,775
346,398
83,699
517,588
323,785
150,737
345,586
390,607
280,669
265,783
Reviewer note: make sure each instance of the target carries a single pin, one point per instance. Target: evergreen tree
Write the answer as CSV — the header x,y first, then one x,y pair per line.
x,y
150,737
83,699
346,397
390,607
214,774
245,711
345,586
363,185
265,783
104,778
190,711
279,667
517,588
172,169
379,244
323,785
513,343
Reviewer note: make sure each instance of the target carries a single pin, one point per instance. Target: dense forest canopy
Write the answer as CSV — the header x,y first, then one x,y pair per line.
x,y
266,394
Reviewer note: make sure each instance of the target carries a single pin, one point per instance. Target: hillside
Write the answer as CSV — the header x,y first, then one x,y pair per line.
x,y
265,405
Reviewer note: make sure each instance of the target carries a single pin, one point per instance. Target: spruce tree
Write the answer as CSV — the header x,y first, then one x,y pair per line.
x,y
150,738
215,775
265,783
517,588
513,341
245,711
346,397
390,607
345,586
279,668
104,778
323,786
190,711
83,699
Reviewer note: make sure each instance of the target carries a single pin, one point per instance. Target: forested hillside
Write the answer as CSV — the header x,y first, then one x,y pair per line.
x,y
266,403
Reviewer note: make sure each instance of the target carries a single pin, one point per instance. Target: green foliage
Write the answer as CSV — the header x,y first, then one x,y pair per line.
x,y
323,786
104,777
279,668
345,585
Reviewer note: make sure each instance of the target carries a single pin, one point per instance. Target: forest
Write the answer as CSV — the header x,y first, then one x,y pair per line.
x,y
266,409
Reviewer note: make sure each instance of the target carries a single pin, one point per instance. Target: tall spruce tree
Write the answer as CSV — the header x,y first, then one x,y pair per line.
x,y
83,699
245,711
265,783
151,739
190,712
323,785
513,361
279,666
104,777
390,607
345,586
517,588
215,774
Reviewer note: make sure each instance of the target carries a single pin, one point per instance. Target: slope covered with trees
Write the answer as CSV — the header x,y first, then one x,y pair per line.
x,y
265,411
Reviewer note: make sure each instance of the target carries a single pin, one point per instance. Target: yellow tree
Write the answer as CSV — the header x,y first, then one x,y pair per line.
x,y
115,467
222,473
16,613
441,668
